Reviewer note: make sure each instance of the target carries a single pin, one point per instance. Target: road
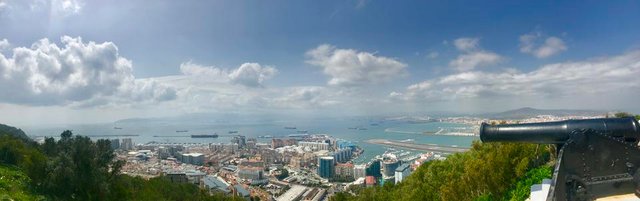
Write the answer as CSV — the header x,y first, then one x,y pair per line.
x,y
417,146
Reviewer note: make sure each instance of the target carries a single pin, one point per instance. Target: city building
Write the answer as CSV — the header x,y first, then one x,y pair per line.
x,y
315,194
195,177
315,146
252,171
359,171
326,168
177,177
344,171
240,140
295,193
215,184
343,155
115,144
389,166
251,143
373,169
193,158
240,191
402,172
126,144
276,143
163,153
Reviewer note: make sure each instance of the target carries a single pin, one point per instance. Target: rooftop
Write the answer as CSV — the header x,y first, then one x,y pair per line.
x,y
214,182
292,194
241,190
402,167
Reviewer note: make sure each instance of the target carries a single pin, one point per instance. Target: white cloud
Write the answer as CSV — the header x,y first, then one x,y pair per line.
x,y
551,46
472,55
4,44
433,55
252,74
48,74
305,97
193,69
53,8
596,77
247,74
467,44
471,60
348,67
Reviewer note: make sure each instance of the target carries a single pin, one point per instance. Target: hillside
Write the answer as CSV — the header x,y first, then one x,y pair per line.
x,y
14,185
489,171
13,131
527,112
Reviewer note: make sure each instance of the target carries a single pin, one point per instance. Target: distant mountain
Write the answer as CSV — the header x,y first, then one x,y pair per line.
x,y
527,112
16,132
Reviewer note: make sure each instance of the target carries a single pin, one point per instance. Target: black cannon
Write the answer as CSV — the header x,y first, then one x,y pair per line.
x,y
597,158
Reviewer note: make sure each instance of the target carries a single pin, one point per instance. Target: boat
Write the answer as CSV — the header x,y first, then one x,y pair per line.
x,y
298,135
117,128
289,127
232,132
182,131
205,136
302,131
265,136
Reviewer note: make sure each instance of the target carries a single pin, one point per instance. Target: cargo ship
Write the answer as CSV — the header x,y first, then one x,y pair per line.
x,y
205,136
289,127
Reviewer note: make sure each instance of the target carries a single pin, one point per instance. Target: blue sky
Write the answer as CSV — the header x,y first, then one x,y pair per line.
x,y
256,57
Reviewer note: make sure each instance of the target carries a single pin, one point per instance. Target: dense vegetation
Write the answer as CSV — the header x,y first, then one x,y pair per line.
x,y
489,171
76,168
14,184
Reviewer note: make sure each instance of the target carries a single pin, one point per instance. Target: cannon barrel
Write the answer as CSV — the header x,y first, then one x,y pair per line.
x,y
559,132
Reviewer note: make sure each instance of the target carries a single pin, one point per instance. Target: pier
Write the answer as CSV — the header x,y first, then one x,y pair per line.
x,y
418,146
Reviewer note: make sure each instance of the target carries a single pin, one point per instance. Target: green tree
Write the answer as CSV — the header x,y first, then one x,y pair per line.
x,y
487,172
622,115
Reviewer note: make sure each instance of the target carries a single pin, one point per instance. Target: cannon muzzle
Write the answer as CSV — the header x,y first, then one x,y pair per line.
x,y
559,132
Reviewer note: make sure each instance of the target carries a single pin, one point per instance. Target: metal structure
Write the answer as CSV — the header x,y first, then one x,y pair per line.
x,y
597,157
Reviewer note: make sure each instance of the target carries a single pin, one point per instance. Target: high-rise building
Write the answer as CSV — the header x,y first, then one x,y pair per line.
x,y
344,171
115,144
326,168
316,146
163,152
389,167
359,171
253,171
193,158
373,169
343,155
240,140
276,143
126,144
402,172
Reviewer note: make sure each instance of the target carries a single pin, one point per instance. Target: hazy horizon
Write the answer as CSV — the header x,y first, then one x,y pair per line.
x,y
78,62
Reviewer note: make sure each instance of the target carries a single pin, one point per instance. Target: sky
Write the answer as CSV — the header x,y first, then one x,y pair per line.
x,y
77,61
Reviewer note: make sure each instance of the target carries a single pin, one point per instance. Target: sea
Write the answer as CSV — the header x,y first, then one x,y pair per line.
x,y
354,130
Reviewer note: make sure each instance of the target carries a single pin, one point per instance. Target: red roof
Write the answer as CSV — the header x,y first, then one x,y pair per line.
x,y
370,180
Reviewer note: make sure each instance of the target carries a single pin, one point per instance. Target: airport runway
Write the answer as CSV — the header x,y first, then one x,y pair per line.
x,y
417,146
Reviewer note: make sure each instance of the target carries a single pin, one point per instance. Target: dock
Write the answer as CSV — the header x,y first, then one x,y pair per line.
x,y
419,146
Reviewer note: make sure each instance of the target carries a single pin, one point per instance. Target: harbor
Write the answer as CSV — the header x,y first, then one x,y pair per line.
x,y
418,146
